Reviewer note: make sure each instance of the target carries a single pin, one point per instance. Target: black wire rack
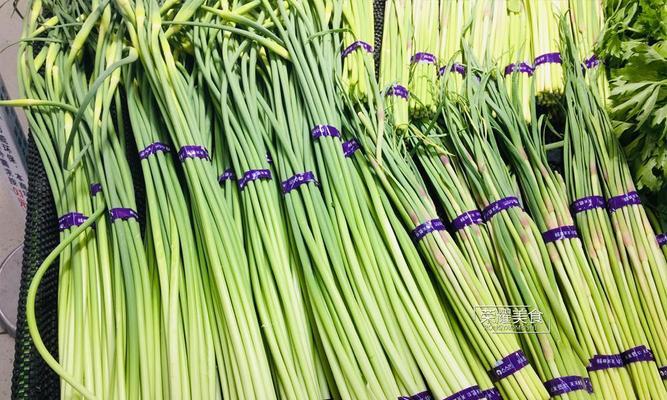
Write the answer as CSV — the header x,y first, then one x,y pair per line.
x,y
32,378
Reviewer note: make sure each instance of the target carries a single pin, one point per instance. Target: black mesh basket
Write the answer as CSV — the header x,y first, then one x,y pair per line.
x,y
32,378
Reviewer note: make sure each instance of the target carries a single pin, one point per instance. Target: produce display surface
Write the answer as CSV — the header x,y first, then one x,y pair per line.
x,y
400,199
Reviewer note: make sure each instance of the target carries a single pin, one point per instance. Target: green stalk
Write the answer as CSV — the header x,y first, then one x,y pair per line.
x,y
400,179
394,55
279,300
423,73
337,184
639,258
358,19
543,17
180,282
454,197
227,266
519,50
524,266
353,350
85,290
595,325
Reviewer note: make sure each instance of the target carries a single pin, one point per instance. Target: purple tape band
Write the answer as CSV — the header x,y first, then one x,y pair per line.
x,y
71,219
592,62
560,233
95,188
662,239
152,149
508,366
298,180
427,227
122,214
193,151
520,67
628,199
460,68
456,67
602,362
253,175
324,130
399,91
359,44
587,203
492,394
423,57
471,393
589,385
426,395
227,175
548,58
565,384
663,373
498,206
350,147
637,354
466,219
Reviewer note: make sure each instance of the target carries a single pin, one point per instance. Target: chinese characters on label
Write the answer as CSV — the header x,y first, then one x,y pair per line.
x,y
12,152
512,319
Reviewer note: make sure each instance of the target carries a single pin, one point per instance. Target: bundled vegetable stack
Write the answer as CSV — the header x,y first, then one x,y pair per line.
x,y
610,265
543,190
359,42
394,72
523,266
453,15
519,71
423,60
248,212
547,72
636,241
